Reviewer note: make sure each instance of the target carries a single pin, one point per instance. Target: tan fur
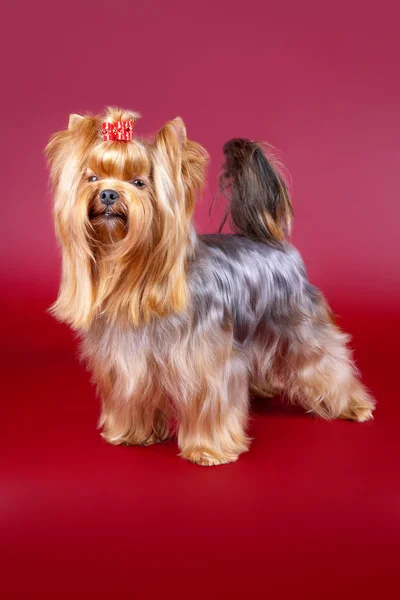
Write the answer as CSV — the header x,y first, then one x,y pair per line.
x,y
140,272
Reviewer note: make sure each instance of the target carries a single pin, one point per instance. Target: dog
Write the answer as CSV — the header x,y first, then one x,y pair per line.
x,y
183,328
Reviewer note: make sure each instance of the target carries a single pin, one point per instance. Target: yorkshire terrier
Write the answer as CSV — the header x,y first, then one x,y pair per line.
x,y
184,328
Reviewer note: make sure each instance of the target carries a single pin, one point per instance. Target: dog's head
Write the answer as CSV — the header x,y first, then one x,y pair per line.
x,y
122,214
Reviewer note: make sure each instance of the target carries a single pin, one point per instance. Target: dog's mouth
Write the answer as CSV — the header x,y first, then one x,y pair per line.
x,y
107,215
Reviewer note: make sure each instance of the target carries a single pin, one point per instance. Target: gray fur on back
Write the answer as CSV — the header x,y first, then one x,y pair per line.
x,y
249,284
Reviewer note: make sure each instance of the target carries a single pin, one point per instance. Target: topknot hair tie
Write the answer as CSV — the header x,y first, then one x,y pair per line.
x,y
121,131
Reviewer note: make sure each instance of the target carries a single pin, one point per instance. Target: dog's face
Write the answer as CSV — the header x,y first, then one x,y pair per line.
x,y
117,182
118,192
122,215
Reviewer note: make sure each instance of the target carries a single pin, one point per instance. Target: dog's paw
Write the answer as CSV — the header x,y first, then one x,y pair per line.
x,y
208,458
156,438
135,440
359,412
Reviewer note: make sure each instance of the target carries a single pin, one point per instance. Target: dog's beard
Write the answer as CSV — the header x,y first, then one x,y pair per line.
x,y
108,227
108,230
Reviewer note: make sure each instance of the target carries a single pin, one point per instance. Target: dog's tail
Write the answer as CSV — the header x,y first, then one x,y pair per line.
x,y
259,201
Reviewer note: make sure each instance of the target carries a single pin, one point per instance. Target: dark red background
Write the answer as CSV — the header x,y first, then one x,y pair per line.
x,y
314,509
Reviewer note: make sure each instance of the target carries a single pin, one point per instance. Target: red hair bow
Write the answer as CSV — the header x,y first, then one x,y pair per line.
x,y
121,130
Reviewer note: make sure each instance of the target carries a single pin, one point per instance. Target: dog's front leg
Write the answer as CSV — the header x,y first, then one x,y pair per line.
x,y
140,419
213,424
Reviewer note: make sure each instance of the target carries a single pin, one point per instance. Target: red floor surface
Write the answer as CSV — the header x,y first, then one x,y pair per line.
x,y
312,511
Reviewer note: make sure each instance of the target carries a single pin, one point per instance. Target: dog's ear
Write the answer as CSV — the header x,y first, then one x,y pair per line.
x,y
178,172
187,159
67,148
168,145
73,119
53,151
66,154
194,162
175,128
60,144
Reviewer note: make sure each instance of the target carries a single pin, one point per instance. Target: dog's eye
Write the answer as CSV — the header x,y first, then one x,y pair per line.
x,y
138,183
93,178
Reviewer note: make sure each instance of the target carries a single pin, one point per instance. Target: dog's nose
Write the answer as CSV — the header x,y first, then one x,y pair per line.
x,y
108,197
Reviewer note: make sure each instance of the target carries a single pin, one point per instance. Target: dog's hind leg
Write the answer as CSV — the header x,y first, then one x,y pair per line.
x,y
319,372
